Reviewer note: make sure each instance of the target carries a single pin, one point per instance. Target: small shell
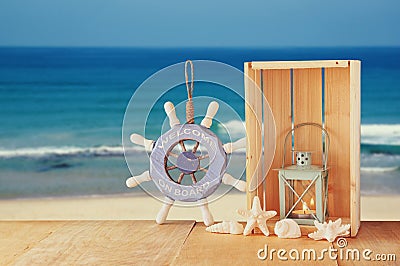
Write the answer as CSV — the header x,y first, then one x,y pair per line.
x,y
226,227
287,228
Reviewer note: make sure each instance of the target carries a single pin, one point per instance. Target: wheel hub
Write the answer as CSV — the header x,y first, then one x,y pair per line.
x,y
188,162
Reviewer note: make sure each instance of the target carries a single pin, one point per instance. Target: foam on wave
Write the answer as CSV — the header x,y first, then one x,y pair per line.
x,y
66,151
380,134
379,169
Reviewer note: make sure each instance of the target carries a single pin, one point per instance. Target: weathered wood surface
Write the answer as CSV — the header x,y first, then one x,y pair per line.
x,y
91,242
203,248
176,243
382,238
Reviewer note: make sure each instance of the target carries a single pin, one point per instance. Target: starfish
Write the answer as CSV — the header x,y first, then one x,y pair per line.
x,y
256,217
330,230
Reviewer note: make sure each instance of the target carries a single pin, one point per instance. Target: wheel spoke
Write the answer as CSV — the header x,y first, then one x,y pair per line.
x,y
171,167
195,147
204,156
193,178
203,169
180,178
182,145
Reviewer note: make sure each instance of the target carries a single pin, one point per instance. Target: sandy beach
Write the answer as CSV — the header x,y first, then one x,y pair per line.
x,y
143,207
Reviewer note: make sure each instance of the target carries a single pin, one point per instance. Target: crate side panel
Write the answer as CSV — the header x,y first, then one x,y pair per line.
x,y
276,88
250,129
355,132
337,123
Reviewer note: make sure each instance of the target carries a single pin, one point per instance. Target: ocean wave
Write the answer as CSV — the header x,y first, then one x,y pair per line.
x,y
40,152
71,151
375,139
380,169
380,163
380,149
382,134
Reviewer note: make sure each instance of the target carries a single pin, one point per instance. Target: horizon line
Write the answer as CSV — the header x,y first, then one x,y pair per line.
x,y
199,47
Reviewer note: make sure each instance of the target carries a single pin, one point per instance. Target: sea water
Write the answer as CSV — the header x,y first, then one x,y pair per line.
x,y
62,109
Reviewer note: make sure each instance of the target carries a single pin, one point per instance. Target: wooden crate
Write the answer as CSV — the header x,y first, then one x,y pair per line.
x,y
325,92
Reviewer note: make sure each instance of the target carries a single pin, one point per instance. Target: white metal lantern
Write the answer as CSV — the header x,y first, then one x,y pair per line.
x,y
303,187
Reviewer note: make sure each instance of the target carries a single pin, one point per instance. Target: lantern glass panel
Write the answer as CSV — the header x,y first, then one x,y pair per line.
x,y
303,194
307,202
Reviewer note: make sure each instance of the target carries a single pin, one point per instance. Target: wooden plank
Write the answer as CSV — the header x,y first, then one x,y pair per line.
x,y
355,133
17,238
337,123
203,248
258,99
276,89
177,243
381,238
307,107
103,243
299,64
250,118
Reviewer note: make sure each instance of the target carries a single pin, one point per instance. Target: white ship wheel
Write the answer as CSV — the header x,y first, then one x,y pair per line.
x,y
163,159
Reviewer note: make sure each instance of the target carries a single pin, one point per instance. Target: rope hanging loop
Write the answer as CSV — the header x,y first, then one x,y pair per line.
x,y
189,87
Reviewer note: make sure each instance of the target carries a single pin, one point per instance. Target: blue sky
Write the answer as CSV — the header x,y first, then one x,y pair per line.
x,y
267,23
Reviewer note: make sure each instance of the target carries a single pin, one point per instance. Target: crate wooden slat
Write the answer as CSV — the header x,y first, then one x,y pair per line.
x,y
299,64
279,102
258,137
339,111
355,136
307,107
337,123
250,91
307,95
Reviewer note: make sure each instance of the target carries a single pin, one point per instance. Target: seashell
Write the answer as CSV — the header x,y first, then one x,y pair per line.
x,y
287,228
226,227
330,230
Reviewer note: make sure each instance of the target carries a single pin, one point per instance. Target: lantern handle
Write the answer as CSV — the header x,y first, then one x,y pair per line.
x,y
325,150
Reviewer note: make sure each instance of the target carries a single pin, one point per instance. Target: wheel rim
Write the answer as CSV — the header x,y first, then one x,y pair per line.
x,y
195,183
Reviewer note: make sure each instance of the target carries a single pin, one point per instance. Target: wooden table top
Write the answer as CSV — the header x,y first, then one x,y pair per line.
x,y
176,243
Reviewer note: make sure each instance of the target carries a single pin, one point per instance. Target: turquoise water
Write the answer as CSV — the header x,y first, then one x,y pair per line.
x,y
62,111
